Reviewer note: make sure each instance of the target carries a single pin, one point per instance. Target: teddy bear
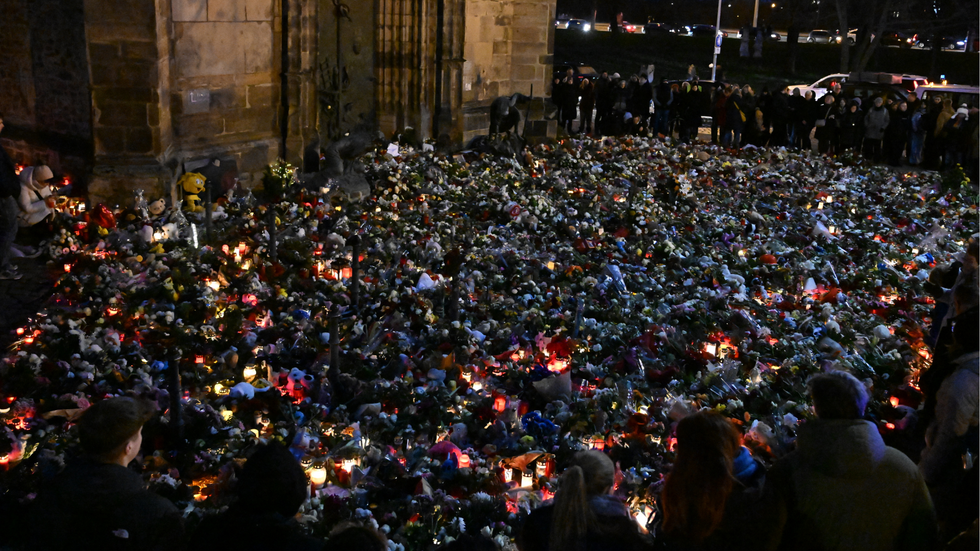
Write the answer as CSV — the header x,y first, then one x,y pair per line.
x,y
192,183
157,207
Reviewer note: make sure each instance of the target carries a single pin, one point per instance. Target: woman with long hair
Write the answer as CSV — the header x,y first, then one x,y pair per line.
x,y
713,489
583,516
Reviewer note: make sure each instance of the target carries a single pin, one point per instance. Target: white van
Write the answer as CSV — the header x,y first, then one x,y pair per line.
x,y
959,93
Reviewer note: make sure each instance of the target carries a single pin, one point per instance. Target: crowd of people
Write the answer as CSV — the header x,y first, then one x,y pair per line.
x,y
931,133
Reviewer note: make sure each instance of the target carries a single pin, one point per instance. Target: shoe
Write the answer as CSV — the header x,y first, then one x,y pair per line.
x,y
10,275
31,252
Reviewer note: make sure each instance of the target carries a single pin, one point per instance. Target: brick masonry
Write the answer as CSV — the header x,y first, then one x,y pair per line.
x,y
124,92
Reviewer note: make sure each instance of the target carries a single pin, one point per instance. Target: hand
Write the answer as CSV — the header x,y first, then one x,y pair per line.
x,y
49,201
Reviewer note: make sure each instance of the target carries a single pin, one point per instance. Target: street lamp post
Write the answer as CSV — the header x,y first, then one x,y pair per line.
x,y
755,15
717,45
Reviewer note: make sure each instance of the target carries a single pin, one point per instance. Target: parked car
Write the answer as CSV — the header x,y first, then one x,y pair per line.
x,y
579,25
959,93
821,37
851,36
820,87
706,30
656,28
681,30
628,27
773,35
924,42
561,23
580,71
895,38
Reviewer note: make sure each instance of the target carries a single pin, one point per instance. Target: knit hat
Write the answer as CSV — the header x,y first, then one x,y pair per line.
x,y
963,111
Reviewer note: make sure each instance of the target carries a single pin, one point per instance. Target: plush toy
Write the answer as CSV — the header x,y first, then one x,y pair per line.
x,y
192,183
157,207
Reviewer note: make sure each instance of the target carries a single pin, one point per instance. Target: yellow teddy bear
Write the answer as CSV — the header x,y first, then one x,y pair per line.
x,y
192,183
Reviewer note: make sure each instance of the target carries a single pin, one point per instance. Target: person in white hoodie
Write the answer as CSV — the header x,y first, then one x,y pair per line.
x,y
36,201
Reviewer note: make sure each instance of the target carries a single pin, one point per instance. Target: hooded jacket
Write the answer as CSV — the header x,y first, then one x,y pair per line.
x,y
957,411
33,209
843,489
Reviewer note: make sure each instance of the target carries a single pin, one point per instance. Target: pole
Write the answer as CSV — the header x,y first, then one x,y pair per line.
x,y
355,269
207,210
333,374
284,79
714,58
176,393
755,15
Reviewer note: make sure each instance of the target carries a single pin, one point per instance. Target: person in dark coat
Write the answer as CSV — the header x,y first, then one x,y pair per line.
x,y
604,98
713,496
851,127
826,125
898,132
586,105
620,107
640,101
583,516
663,103
9,192
719,102
735,118
843,489
568,101
932,147
779,116
270,490
97,502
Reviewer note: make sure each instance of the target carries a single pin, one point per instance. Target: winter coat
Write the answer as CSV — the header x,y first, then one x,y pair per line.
x,y
957,411
243,530
875,122
33,209
842,489
93,505
734,113
9,184
587,100
850,129
618,532
827,113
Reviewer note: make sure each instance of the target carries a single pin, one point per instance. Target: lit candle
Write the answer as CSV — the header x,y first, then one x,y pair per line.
x,y
500,403
348,464
318,475
541,469
249,373
67,268
551,266
508,474
464,461
527,479
711,349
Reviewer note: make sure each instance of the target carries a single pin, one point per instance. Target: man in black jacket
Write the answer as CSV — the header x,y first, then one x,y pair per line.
x,y
9,190
97,502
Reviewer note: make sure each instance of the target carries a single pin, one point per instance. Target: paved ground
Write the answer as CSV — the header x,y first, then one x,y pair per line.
x,y
22,298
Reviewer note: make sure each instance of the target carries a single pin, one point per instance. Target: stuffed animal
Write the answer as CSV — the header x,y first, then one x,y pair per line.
x,y
157,207
192,183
